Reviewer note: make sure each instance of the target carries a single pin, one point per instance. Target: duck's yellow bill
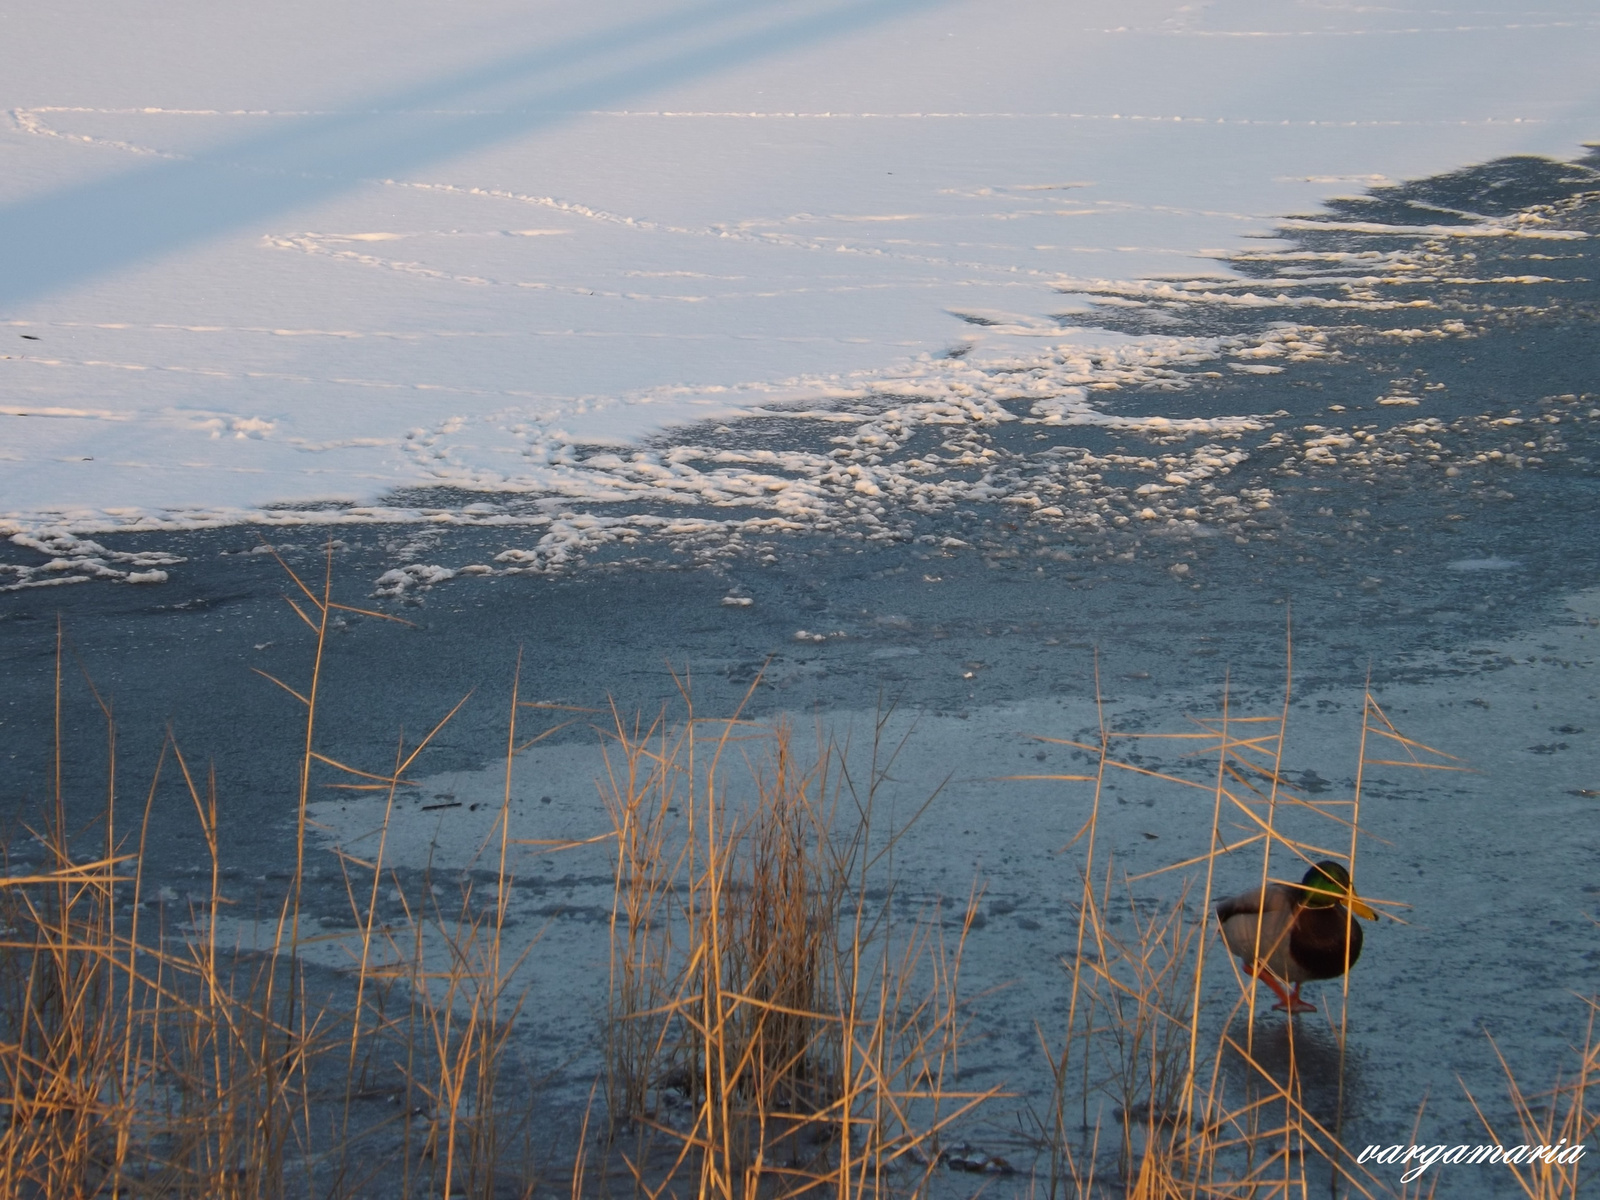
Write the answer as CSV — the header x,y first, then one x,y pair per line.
x,y
1362,909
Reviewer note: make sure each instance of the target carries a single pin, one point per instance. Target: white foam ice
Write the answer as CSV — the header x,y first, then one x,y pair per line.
x,y
78,560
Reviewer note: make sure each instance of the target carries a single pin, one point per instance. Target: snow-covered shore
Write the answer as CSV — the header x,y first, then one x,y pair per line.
x,y
262,261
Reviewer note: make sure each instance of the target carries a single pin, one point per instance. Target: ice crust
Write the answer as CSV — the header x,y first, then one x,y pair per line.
x,y
859,219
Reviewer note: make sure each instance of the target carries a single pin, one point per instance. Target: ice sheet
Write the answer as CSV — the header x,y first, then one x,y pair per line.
x,y
258,261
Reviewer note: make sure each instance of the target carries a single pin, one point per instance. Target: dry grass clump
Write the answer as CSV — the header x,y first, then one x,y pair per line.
x,y
154,1046
1199,1108
776,1023
772,1029
1564,1114
756,987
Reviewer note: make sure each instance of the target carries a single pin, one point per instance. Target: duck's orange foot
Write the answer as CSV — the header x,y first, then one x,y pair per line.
x,y
1294,1005
1288,1002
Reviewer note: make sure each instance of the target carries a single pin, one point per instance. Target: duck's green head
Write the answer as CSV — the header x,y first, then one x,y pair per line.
x,y
1328,883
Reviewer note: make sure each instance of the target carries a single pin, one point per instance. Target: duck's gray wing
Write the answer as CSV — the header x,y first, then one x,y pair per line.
x,y
1256,924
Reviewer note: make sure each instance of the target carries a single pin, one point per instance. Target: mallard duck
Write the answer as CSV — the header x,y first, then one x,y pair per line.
x,y
1305,932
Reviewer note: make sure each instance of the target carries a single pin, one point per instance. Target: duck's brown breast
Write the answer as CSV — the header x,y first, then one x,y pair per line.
x,y
1317,943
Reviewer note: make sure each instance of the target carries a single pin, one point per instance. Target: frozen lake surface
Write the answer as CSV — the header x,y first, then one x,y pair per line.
x,y
887,350
260,265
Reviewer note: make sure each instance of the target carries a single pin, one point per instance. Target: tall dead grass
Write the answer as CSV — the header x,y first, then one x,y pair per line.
x,y
778,1019
774,1030
1197,1108
152,1044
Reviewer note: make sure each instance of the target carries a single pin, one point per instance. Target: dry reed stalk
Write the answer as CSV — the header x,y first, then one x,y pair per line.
x,y
641,789
1565,1115
807,1053
757,972
143,1055
1141,984
1135,1003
